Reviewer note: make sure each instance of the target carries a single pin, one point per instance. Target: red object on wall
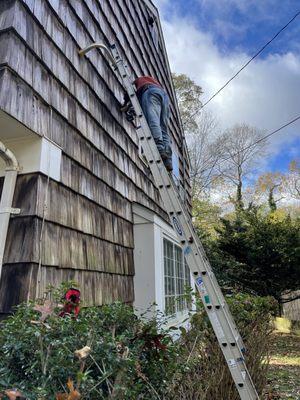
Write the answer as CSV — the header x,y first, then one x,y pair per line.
x,y
72,301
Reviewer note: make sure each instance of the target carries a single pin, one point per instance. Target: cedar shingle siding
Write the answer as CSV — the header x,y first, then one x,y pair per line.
x,y
87,233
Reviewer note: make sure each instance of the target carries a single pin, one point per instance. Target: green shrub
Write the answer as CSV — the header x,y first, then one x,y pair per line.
x,y
129,358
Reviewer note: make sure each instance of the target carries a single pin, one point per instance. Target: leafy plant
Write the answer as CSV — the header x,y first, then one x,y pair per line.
x,y
128,357
110,353
261,253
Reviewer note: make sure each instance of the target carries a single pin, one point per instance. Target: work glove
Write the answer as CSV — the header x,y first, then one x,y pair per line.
x,y
130,114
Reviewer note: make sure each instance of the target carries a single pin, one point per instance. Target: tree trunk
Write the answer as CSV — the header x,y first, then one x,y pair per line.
x,y
271,200
239,205
280,308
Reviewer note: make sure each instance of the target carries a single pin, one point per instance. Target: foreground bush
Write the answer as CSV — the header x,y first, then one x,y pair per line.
x,y
128,358
122,357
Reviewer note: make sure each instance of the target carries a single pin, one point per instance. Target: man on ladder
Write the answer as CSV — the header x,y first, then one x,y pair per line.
x,y
227,334
155,105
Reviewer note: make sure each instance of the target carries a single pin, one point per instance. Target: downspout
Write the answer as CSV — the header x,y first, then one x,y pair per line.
x,y
11,171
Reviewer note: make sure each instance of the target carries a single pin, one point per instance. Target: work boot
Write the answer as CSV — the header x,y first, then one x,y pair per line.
x,y
168,165
164,156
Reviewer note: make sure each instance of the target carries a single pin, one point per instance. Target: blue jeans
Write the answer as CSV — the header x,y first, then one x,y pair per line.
x,y
155,105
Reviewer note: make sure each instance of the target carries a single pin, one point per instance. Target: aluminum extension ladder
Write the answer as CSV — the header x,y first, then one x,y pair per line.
x,y
214,302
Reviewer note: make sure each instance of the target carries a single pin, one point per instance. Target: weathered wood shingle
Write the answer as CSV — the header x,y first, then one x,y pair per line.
x,y
80,228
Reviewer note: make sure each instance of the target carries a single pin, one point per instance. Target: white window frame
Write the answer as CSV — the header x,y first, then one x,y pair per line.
x,y
181,281
149,233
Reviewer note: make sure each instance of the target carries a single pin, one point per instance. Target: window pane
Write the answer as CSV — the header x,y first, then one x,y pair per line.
x,y
178,254
176,278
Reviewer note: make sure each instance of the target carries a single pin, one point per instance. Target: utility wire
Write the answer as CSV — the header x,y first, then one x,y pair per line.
x,y
249,61
256,142
266,136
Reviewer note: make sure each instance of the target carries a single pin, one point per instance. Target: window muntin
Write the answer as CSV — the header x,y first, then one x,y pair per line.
x,y
177,278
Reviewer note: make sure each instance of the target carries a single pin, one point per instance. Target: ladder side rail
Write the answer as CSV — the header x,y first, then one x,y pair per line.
x,y
190,233
226,336
234,340
154,155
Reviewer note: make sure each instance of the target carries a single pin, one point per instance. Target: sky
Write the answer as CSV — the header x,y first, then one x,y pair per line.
x,y
209,40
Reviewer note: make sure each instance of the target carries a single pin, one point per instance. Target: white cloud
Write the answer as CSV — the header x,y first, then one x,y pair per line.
x,y
266,94
244,6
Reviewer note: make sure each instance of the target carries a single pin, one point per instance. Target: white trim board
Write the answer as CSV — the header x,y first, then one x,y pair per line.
x,y
149,232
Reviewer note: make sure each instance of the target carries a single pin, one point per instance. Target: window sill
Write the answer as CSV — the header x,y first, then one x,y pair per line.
x,y
178,320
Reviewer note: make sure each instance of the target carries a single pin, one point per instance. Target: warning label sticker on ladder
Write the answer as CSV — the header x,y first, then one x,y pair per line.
x,y
177,226
231,363
200,285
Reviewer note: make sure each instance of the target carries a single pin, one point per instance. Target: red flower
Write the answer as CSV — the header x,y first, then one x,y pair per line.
x,y
72,300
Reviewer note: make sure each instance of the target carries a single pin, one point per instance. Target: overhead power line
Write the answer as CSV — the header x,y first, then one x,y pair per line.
x,y
256,142
265,137
249,61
